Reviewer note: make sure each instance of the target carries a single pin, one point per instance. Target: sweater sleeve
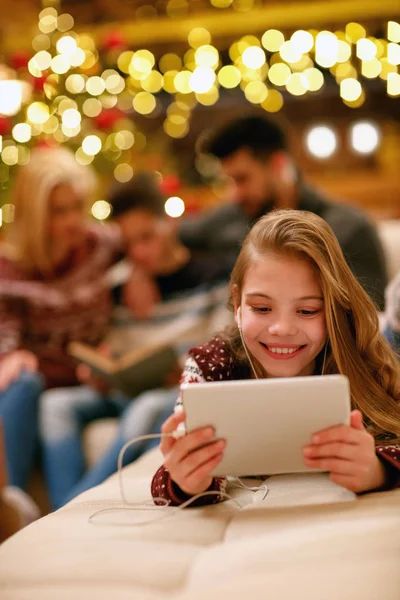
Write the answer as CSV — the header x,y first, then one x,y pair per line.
x,y
162,485
390,456
10,328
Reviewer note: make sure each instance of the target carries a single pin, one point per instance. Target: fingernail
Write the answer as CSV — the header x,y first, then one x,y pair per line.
x,y
307,451
315,439
221,444
209,432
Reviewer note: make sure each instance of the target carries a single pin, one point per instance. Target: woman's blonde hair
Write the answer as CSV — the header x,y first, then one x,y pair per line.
x,y
35,181
355,347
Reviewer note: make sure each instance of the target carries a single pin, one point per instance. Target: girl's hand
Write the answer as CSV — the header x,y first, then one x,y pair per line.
x,y
13,364
189,465
348,453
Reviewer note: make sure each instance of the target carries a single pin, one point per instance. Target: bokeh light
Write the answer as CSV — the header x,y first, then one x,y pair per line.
x,y
175,207
321,142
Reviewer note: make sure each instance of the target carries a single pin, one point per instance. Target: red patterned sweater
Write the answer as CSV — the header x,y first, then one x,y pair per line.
x,y
44,314
213,362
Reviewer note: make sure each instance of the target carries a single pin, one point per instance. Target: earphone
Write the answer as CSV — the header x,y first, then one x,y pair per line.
x,y
239,324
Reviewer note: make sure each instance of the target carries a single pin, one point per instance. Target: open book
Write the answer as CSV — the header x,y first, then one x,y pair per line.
x,y
146,365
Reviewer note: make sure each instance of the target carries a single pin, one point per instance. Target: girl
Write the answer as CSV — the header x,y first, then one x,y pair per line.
x,y
52,290
301,312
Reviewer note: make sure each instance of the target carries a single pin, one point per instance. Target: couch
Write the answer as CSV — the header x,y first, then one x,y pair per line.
x,y
315,545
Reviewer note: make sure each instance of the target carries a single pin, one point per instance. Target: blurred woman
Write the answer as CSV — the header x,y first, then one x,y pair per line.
x,y
53,289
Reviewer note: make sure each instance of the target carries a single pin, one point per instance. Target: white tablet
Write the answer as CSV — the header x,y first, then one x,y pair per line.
x,y
266,422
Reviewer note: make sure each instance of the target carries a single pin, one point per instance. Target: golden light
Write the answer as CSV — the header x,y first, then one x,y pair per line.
x,y
101,210
70,131
124,60
221,3
42,60
290,53
123,172
393,84
124,139
354,32
63,103
143,61
10,97
51,125
176,130
344,51
92,107
33,69
169,81
304,63
49,11
356,103
9,155
182,82
90,59
41,42
387,68
78,58
82,158
246,41
91,145
48,24
95,85
302,41
321,142
199,36
297,84
209,98
366,49
371,68
24,155
229,76
326,49
115,84
202,80
350,89
8,213
365,137
153,82
22,132
253,57
66,45
313,79
279,74
273,102
170,62
178,108
207,56
393,54
272,40
71,118
393,32
75,84
144,103
256,92
65,22
60,64
174,207
38,113
344,71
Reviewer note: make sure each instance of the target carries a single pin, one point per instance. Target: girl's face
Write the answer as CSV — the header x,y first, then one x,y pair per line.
x,y
282,315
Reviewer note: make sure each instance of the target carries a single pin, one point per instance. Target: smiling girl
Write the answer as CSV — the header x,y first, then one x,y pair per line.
x,y
300,312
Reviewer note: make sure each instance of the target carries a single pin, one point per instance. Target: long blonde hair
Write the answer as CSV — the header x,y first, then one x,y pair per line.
x,y
35,181
355,347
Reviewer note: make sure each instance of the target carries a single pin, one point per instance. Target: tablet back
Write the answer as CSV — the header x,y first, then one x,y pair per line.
x,y
266,422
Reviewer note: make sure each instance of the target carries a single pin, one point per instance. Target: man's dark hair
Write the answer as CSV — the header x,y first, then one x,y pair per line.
x,y
260,135
141,192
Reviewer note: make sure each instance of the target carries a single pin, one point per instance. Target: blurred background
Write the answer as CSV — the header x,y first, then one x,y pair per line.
x,y
133,83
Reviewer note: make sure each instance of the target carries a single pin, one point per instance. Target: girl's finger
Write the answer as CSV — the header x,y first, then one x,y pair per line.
x,y
167,428
197,458
331,450
356,420
340,433
186,445
202,472
331,465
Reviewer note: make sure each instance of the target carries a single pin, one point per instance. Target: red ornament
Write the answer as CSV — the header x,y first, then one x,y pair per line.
x,y
113,40
108,118
170,184
5,125
19,60
38,83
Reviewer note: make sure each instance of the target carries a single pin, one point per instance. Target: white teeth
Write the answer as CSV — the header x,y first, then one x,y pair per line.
x,y
283,350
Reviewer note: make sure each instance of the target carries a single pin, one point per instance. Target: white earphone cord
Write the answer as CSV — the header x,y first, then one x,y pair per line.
x,y
149,505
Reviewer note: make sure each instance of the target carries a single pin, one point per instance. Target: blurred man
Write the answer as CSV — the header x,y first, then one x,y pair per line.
x,y
253,153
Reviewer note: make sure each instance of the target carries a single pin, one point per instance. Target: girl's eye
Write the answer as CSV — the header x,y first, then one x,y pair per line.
x,y
260,309
308,313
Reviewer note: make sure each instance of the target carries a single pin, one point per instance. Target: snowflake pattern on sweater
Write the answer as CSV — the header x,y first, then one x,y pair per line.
x,y
213,362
